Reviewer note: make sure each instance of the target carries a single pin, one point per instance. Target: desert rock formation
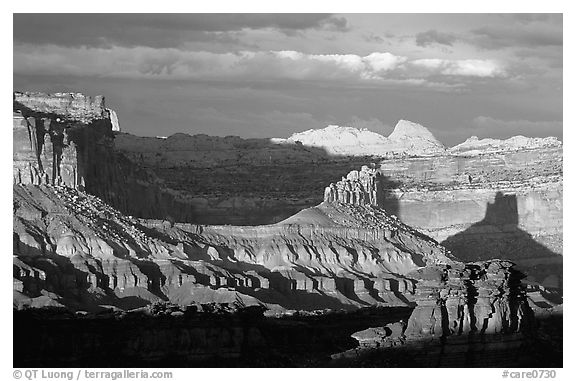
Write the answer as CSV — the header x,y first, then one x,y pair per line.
x,y
72,249
357,188
67,139
408,138
475,146
76,249
474,314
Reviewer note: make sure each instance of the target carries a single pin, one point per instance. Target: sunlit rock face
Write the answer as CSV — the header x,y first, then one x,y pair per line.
x,y
67,139
408,138
63,139
72,249
474,146
448,196
473,314
506,205
483,298
357,188
75,106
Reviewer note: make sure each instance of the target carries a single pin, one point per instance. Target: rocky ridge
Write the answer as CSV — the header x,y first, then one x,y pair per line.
x,y
72,249
408,138
475,146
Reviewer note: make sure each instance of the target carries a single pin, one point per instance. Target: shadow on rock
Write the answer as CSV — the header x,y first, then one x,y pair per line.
x,y
497,235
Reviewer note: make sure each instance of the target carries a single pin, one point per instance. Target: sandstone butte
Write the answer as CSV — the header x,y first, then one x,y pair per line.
x,y
76,246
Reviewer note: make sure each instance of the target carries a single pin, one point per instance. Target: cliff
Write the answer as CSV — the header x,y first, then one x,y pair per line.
x,y
67,139
481,298
505,206
474,314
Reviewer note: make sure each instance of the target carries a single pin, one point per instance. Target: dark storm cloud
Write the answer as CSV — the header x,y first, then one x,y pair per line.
x,y
155,30
532,31
373,38
534,17
435,37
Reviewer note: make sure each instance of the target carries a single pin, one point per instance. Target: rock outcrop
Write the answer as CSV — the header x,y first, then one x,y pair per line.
x,y
475,146
357,188
114,120
474,314
408,138
64,139
482,298
415,139
71,106
67,139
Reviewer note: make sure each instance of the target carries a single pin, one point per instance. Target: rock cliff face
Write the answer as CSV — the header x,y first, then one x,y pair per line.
x,y
64,139
67,139
74,106
474,314
506,206
482,298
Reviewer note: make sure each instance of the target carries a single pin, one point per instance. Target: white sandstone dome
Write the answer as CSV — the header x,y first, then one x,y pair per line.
x,y
341,140
408,138
415,138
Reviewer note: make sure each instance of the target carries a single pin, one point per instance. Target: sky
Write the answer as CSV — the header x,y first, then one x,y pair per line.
x,y
272,75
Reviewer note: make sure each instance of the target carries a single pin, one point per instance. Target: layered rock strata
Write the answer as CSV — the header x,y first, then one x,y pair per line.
x,y
474,298
67,139
72,249
506,206
474,314
447,196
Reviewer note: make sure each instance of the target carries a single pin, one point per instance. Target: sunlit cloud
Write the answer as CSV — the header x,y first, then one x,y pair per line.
x,y
171,63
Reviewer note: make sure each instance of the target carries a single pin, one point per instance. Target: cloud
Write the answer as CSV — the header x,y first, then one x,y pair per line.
x,y
336,24
498,127
435,37
531,35
373,38
526,18
472,68
158,30
382,62
375,69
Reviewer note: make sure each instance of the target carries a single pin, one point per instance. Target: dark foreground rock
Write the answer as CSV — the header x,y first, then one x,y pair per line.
x,y
207,336
474,315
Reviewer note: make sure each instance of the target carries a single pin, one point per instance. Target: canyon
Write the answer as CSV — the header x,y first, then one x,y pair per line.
x,y
106,222
484,199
